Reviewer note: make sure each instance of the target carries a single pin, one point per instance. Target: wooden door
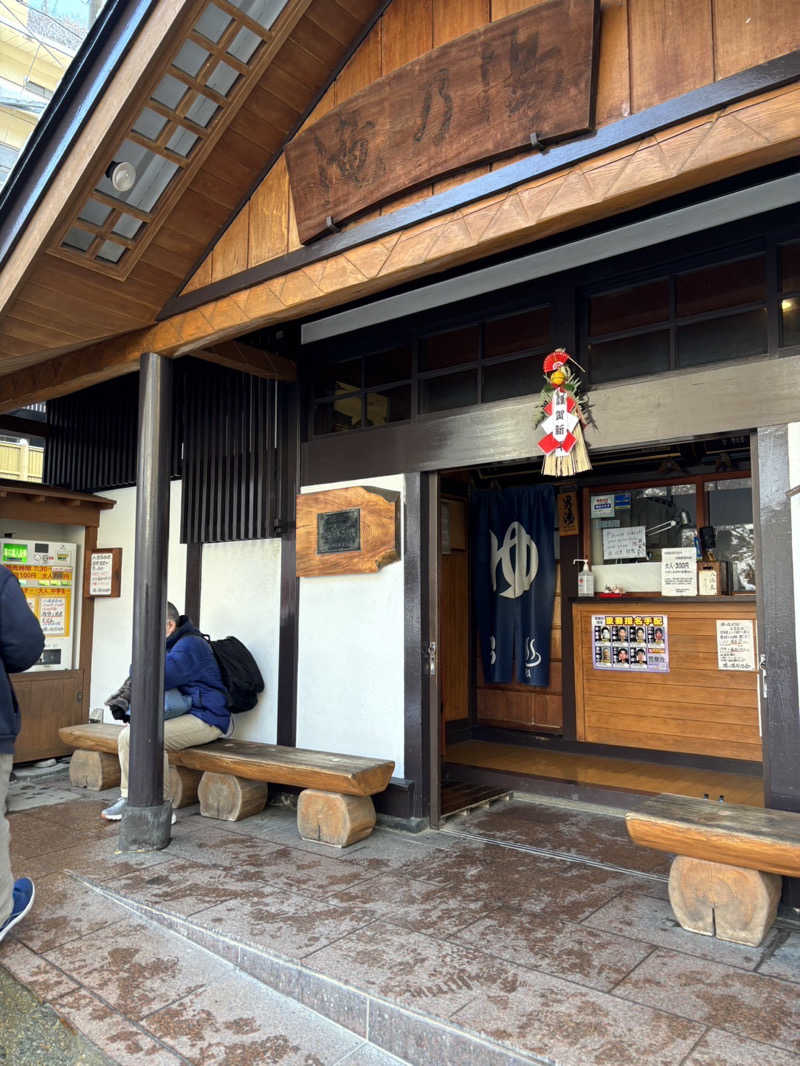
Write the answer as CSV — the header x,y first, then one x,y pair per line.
x,y
47,701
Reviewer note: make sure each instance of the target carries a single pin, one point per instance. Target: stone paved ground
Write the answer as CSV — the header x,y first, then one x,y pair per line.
x,y
541,929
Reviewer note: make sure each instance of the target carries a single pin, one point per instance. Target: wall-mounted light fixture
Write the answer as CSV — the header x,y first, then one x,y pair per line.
x,y
122,176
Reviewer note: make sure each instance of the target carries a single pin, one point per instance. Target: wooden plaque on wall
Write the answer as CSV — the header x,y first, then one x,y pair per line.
x,y
347,531
475,98
102,574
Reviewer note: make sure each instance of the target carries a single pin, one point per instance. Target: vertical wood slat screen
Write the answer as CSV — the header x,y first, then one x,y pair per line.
x,y
92,445
223,446
229,455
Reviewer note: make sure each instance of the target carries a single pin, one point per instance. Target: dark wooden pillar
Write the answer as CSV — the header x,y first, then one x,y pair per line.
x,y
289,486
776,626
146,821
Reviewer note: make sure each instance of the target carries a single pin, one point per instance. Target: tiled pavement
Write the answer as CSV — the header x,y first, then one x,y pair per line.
x,y
441,947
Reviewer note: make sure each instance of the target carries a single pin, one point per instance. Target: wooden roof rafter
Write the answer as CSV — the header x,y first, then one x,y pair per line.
x,y
130,248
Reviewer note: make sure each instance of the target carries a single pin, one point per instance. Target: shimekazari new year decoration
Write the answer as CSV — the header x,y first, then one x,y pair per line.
x,y
564,413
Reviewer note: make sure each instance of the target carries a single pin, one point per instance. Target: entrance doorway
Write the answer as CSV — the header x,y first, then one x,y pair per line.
x,y
676,719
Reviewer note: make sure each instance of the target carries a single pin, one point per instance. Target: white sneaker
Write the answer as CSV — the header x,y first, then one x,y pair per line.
x,y
114,812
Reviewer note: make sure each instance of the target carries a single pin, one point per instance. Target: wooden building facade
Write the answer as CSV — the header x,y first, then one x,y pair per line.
x,y
365,225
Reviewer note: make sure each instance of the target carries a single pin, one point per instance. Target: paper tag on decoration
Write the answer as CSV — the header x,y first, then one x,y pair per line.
x,y
678,572
736,648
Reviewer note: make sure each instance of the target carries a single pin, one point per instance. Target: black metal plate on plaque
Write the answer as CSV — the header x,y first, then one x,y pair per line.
x,y
339,531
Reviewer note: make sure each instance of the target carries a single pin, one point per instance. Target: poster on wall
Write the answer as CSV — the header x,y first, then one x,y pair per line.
x,y
633,643
736,647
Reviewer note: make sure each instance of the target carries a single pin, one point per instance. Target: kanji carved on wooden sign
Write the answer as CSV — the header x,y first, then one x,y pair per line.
x,y
474,98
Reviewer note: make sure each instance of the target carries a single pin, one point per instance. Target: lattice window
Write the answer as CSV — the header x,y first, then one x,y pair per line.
x,y
228,45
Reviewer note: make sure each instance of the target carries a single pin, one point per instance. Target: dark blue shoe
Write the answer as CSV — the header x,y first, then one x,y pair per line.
x,y
24,894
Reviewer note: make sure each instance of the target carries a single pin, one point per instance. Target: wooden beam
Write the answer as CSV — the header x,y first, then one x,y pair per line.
x,y
260,364
652,167
25,427
73,371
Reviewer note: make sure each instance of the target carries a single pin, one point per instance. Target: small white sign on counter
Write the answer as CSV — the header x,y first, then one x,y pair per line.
x,y
736,646
678,572
627,542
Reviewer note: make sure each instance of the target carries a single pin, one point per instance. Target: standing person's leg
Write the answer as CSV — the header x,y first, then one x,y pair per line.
x,y
6,880
114,812
16,897
123,752
185,731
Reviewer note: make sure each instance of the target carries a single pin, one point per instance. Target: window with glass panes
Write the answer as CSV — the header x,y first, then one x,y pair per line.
x,y
493,359
706,305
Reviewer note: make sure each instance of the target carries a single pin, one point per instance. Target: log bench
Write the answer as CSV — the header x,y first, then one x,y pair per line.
x,y
230,780
726,877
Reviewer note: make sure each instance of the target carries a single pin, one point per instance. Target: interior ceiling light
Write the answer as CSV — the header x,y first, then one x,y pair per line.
x,y
122,176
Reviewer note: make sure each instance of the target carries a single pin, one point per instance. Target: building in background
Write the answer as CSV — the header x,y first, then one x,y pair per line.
x,y
37,43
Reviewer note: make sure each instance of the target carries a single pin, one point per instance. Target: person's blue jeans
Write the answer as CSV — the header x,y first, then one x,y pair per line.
x,y
175,703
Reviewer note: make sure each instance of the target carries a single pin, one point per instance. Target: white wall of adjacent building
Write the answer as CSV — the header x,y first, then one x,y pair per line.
x,y
240,596
350,686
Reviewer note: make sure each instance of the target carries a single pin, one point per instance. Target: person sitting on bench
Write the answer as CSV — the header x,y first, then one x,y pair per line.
x,y
191,668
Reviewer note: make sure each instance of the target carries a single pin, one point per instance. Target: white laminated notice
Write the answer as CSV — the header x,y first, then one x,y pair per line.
x,y
678,572
736,647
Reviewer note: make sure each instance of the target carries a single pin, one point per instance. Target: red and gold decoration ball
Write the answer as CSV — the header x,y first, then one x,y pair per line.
x,y
563,415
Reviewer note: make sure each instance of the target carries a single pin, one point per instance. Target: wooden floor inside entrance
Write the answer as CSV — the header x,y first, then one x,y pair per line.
x,y
629,774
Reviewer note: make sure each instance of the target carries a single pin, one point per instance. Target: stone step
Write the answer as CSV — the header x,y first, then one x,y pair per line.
x,y
406,1036
211,1012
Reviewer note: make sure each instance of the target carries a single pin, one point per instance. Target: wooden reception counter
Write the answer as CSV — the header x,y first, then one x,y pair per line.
x,y
647,675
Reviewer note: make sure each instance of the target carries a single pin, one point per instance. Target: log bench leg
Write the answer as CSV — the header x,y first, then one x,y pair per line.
x,y
734,903
331,818
183,784
230,798
95,770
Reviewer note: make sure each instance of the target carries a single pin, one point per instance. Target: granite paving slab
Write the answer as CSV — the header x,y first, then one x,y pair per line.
x,y
237,1022
750,1005
120,1038
64,910
42,977
179,885
651,920
284,921
602,838
136,967
575,1026
784,960
414,970
415,904
716,1048
564,949
369,1055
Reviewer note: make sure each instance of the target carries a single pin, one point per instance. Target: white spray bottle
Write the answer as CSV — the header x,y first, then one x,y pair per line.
x,y
585,578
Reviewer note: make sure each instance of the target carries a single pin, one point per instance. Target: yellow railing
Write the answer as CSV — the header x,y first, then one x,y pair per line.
x,y
20,461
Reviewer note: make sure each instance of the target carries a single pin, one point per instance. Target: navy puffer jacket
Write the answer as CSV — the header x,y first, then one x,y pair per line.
x,y
21,644
191,667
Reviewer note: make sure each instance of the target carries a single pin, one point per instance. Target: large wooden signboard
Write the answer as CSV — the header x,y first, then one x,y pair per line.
x,y
472,99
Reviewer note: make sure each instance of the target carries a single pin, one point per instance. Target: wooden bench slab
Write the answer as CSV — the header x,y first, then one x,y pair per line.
x,y
727,833
350,775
